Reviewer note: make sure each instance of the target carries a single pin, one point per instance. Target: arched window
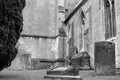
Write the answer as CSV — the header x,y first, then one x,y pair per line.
x,y
82,17
110,27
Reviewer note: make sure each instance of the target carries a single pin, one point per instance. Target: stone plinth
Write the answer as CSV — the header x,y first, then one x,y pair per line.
x,y
104,58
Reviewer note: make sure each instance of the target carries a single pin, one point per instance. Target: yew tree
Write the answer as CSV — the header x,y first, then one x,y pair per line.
x,y
11,24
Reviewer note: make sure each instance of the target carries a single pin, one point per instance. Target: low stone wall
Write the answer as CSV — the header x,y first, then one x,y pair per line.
x,y
21,62
25,62
37,64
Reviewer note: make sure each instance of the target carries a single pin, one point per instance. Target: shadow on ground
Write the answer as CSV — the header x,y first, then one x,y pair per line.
x,y
11,77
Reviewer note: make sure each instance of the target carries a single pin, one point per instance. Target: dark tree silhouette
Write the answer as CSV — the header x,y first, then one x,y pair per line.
x,y
11,23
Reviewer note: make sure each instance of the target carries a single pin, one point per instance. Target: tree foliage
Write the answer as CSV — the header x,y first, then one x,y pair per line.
x,y
11,24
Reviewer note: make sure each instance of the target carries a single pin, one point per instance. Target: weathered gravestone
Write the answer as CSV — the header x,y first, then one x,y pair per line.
x,y
104,58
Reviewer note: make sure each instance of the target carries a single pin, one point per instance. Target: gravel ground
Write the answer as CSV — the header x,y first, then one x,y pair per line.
x,y
38,75
22,75
89,75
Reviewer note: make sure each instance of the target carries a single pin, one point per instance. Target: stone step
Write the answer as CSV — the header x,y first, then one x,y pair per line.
x,y
62,77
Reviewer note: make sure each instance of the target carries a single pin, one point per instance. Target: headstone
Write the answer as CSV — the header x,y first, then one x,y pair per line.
x,y
104,58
